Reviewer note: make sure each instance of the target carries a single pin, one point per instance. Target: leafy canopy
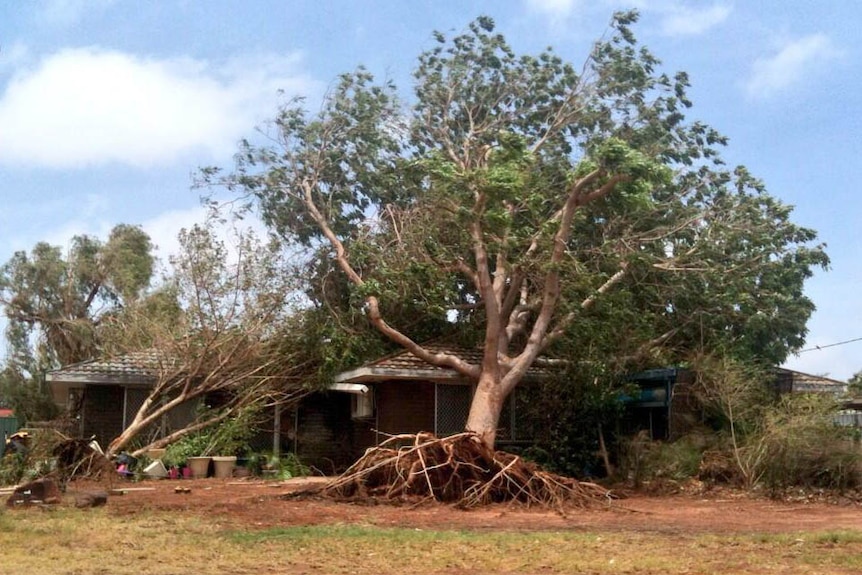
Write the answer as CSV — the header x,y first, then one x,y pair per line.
x,y
539,206
61,297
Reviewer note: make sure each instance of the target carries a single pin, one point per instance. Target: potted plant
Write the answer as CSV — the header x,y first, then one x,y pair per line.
x,y
190,451
220,444
230,439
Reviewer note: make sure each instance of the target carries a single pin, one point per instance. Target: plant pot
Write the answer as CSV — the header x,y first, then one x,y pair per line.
x,y
156,453
224,466
187,472
200,466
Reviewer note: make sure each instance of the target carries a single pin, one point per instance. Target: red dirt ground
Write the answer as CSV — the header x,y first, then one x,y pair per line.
x,y
256,504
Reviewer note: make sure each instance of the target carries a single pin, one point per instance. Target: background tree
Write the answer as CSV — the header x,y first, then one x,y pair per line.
x,y
531,203
60,299
54,303
854,384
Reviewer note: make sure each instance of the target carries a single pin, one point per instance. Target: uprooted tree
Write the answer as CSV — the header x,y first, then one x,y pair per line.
x,y
530,200
209,331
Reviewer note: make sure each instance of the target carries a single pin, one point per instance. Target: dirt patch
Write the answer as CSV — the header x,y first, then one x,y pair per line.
x,y
258,504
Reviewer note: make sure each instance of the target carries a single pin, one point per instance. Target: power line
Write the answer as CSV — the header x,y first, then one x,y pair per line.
x,y
819,347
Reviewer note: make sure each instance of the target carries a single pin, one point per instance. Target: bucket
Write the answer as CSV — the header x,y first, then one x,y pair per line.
x,y
224,466
156,470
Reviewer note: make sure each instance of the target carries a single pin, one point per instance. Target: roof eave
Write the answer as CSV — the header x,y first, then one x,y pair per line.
x,y
377,374
100,379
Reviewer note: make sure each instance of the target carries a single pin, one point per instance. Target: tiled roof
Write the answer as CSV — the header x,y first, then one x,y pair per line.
x,y
406,366
134,367
807,383
406,360
4,412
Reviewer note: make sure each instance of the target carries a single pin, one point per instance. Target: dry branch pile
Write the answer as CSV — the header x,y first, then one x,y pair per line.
x,y
76,459
457,469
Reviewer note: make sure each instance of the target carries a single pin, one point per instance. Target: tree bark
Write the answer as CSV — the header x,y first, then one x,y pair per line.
x,y
485,409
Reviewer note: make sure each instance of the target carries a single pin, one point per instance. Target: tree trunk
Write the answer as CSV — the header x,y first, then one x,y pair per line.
x,y
485,410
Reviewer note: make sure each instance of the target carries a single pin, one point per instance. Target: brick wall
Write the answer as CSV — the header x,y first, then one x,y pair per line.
x,y
327,438
103,412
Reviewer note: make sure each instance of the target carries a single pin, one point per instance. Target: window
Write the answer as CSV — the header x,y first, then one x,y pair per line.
x,y
452,406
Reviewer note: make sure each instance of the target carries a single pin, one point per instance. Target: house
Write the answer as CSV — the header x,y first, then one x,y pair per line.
x,y
400,394
103,395
393,395
666,407
789,381
396,394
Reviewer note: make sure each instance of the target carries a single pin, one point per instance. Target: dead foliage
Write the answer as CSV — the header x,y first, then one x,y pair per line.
x,y
457,469
719,467
76,459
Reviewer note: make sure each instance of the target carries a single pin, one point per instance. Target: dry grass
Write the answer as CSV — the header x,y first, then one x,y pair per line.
x,y
69,541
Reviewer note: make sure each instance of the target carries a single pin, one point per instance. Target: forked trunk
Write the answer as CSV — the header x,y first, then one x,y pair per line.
x,y
485,410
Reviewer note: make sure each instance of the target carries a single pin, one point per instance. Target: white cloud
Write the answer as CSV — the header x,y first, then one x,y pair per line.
x,y
91,218
684,21
676,17
555,8
164,228
791,65
88,106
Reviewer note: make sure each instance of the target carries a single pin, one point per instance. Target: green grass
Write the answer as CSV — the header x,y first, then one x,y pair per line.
x,y
70,541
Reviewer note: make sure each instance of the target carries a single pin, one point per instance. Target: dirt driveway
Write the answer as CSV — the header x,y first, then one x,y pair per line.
x,y
257,504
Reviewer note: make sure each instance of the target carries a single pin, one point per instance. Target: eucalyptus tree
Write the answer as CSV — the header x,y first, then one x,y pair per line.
x,y
533,202
57,298
54,301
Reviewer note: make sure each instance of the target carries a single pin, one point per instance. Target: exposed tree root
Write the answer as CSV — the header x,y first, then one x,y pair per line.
x,y
77,460
457,469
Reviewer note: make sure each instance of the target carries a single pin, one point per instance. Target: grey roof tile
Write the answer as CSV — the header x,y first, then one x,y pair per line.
x,y
406,366
139,365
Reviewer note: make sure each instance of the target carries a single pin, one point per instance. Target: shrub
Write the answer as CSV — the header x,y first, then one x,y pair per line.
x,y
229,437
36,462
802,446
288,466
645,460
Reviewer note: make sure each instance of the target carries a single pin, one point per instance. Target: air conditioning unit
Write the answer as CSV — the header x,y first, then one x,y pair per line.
x,y
362,405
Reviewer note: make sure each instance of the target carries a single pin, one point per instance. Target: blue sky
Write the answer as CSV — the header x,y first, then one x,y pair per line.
x,y
107,107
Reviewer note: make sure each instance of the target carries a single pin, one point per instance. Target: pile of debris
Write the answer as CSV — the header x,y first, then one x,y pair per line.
x,y
50,454
458,469
41,491
81,458
54,460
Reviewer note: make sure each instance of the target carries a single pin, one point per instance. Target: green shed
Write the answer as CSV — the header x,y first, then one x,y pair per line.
x,y
8,426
